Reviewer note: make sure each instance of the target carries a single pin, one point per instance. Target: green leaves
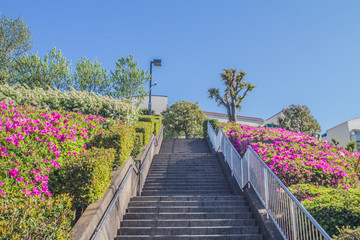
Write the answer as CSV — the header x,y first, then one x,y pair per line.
x,y
31,71
90,76
127,80
15,40
233,96
297,118
183,119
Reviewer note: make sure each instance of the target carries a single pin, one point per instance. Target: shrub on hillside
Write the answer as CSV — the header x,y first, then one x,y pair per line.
x,y
347,233
146,128
85,177
83,101
158,123
296,157
214,123
36,218
150,119
335,208
119,137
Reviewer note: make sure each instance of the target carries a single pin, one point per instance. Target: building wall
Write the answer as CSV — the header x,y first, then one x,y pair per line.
x,y
158,103
274,119
340,132
242,120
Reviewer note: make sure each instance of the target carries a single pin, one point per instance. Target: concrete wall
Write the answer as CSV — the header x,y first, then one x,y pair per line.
x,y
91,219
158,103
274,119
240,119
340,132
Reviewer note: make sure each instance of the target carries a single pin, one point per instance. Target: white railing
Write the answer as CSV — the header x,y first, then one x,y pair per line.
x,y
292,219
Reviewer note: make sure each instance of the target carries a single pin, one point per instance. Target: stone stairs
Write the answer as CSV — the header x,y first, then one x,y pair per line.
x,y
186,196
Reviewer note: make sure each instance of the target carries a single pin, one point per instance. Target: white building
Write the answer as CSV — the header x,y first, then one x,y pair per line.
x,y
273,121
240,119
158,103
345,132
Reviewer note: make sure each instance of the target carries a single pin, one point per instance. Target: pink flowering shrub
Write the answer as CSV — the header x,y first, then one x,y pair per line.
x,y
37,148
319,174
296,158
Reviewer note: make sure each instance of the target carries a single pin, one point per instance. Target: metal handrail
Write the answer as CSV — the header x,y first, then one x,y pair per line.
x,y
122,186
296,222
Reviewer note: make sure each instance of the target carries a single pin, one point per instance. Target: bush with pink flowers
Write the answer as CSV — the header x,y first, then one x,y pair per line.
x,y
318,173
37,149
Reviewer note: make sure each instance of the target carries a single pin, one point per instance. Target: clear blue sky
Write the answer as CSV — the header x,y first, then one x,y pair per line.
x,y
295,52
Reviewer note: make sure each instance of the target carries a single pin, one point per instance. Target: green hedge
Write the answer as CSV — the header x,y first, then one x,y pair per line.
x,y
147,118
214,123
347,233
146,129
119,137
85,177
36,218
158,123
331,208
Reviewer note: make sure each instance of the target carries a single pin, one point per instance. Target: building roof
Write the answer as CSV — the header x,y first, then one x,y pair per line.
x,y
342,124
238,116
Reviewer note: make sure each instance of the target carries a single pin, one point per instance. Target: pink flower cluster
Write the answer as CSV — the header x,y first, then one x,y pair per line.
x,y
37,141
296,157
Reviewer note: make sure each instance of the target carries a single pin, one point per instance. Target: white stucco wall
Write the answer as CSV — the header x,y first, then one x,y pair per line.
x,y
274,119
158,103
240,119
340,132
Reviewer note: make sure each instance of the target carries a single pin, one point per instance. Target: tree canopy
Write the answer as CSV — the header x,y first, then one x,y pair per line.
x,y
297,118
15,40
235,92
183,119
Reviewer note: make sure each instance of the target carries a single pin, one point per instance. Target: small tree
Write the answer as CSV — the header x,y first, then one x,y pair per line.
x,y
351,146
54,71
334,141
183,118
127,80
297,118
15,40
233,96
90,76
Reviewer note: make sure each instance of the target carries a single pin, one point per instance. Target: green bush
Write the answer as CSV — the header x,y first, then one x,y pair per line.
x,y
85,177
147,118
346,233
119,137
335,208
158,123
146,128
145,111
36,218
138,144
214,123
304,191
83,101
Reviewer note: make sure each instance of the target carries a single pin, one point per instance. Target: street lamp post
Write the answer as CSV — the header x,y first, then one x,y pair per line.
x,y
156,62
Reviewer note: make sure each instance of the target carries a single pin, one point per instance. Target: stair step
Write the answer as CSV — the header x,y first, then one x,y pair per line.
x,y
191,192
218,215
188,222
188,198
193,237
187,209
186,203
190,187
188,230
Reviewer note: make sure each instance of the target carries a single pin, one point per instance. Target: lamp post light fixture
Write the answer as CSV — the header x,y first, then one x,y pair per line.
x,y
156,62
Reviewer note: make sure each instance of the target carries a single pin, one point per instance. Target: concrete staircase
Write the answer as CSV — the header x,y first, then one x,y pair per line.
x,y
186,196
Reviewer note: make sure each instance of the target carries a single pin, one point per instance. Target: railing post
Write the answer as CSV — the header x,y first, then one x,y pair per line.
x,y
232,162
242,171
293,220
248,166
266,187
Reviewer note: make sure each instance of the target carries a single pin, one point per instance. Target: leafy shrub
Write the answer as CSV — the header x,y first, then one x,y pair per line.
x,y
346,233
147,118
335,208
119,137
146,128
145,111
85,177
297,157
36,218
308,191
214,123
158,123
83,101
138,145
